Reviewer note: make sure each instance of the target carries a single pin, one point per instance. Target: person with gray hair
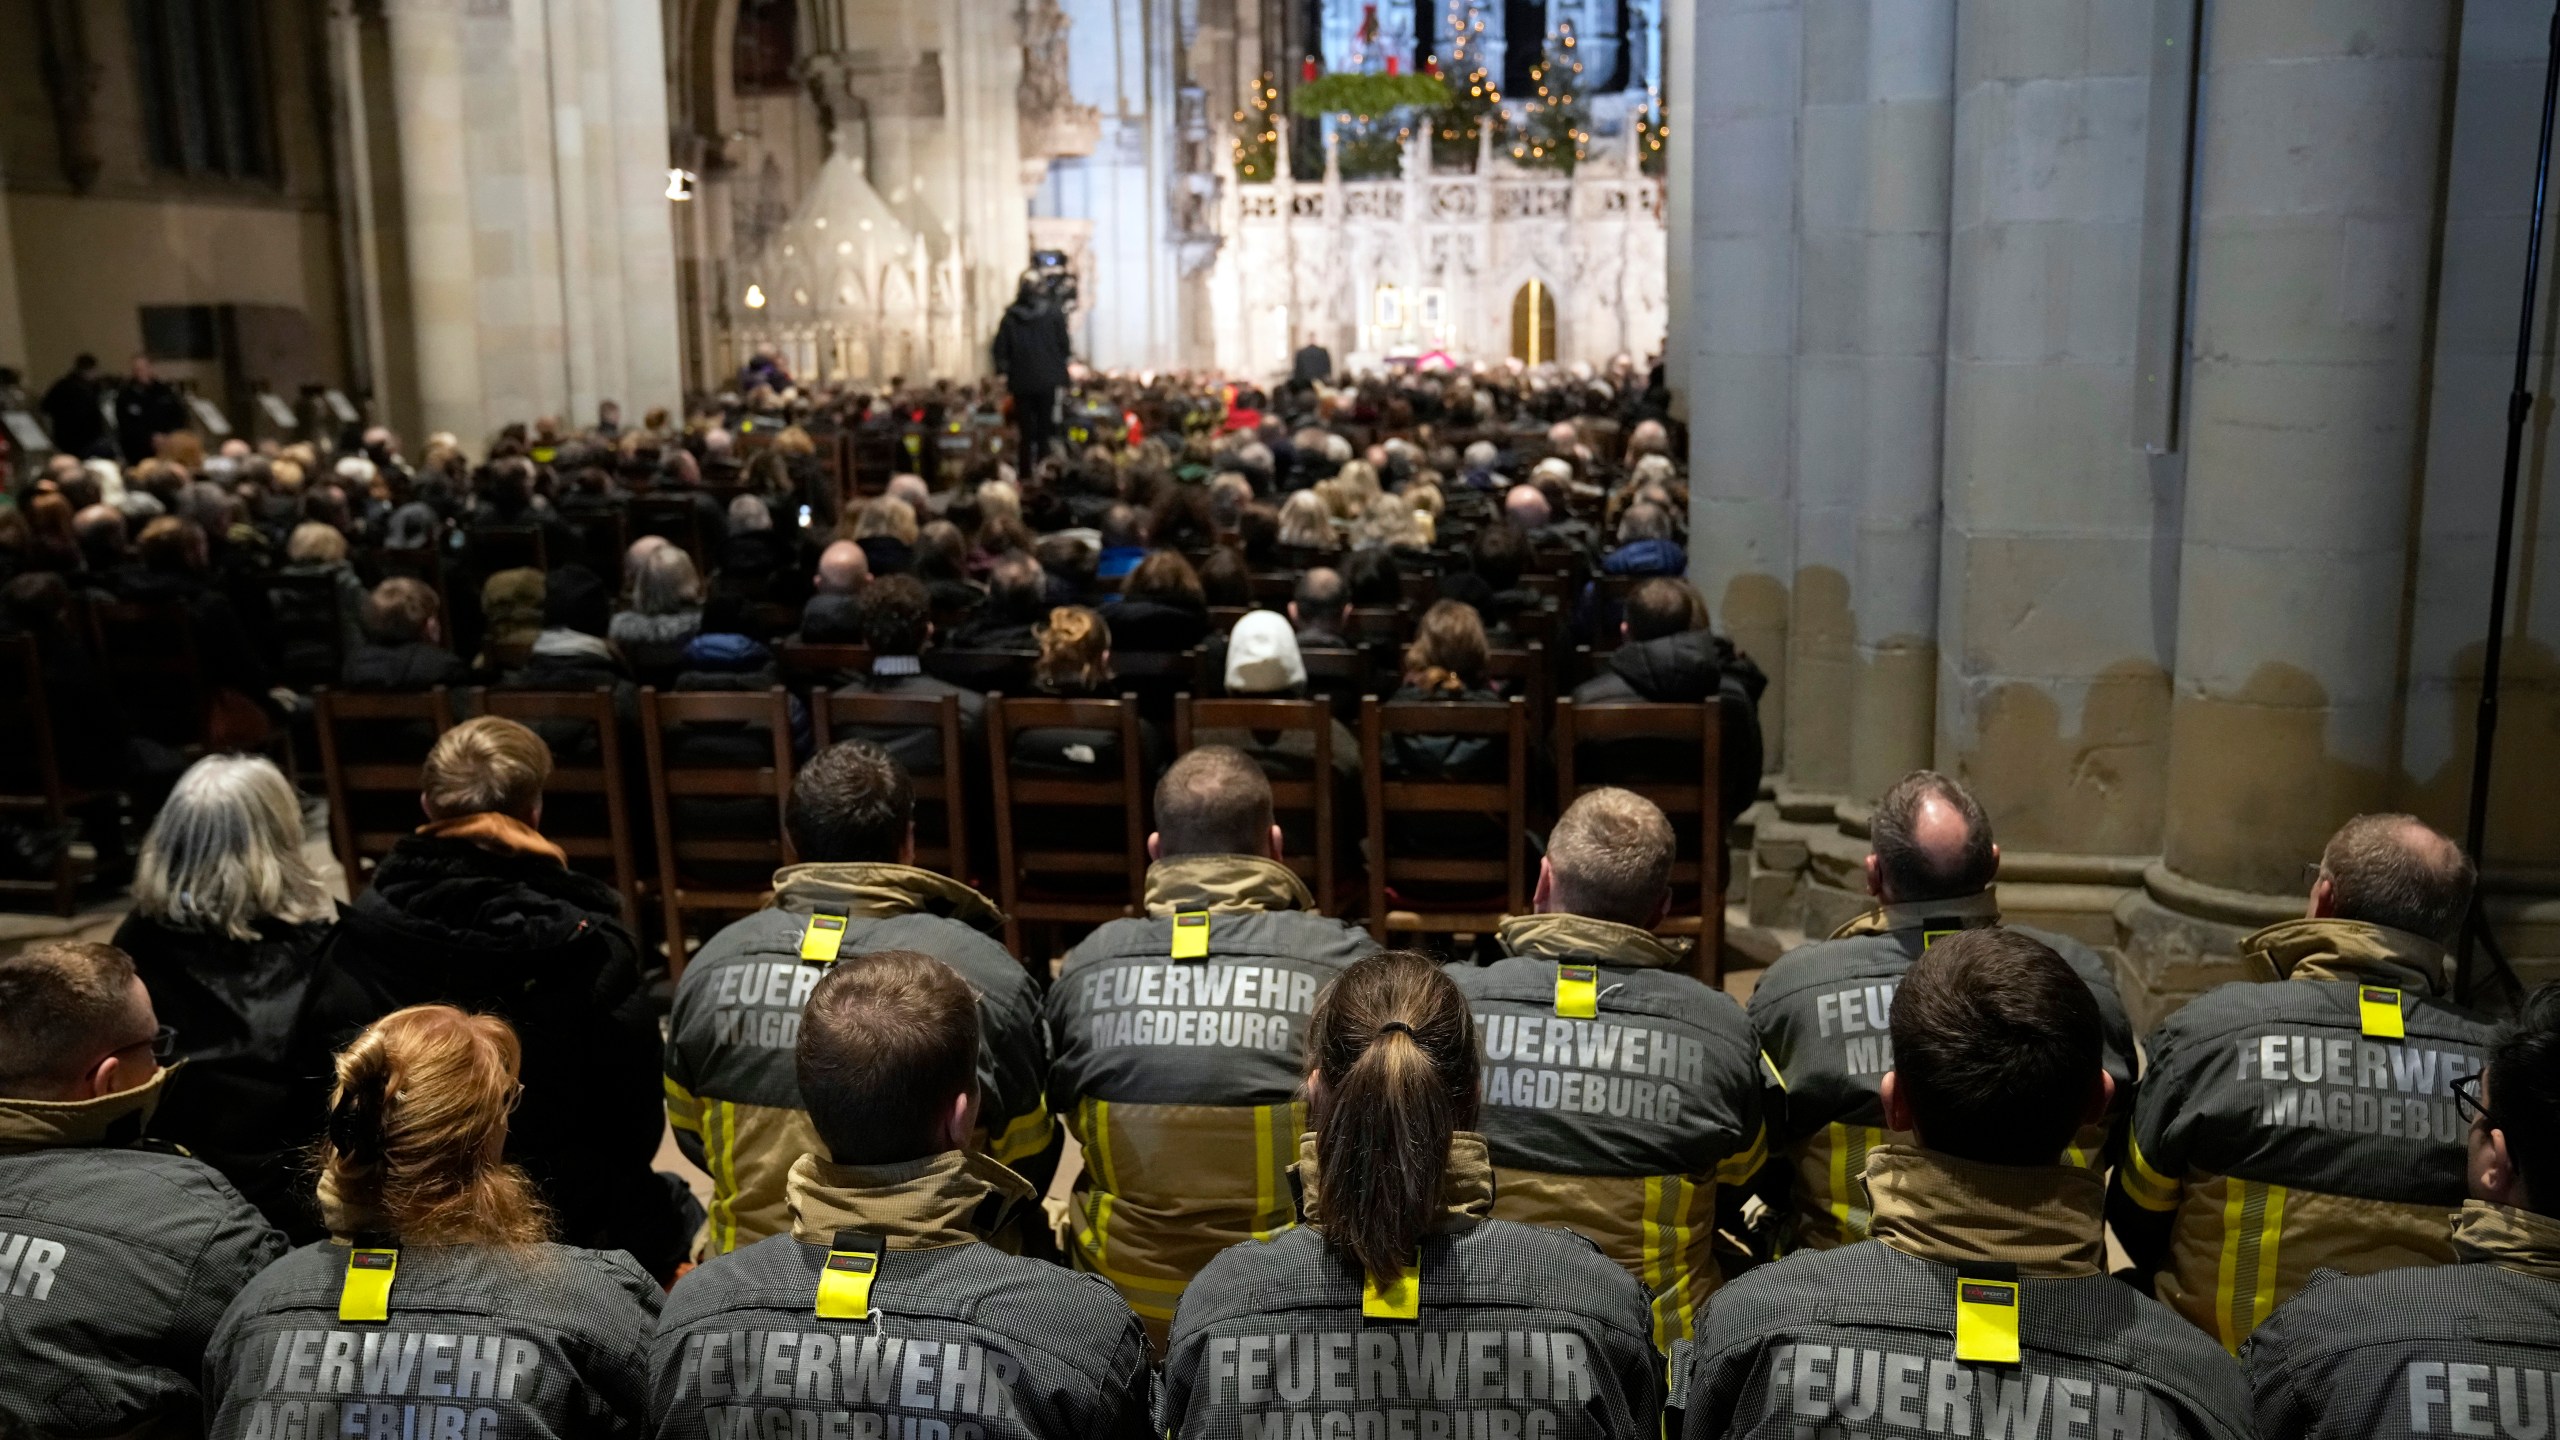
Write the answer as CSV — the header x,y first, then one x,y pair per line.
x,y
1930,873
229,917
665,613
1630,1154
2370,1171
117,1260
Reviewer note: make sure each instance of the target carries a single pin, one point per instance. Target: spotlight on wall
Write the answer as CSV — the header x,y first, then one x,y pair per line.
x,y
680,184
755,297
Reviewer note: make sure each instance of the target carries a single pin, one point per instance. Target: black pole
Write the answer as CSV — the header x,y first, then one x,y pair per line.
x,y
2519,410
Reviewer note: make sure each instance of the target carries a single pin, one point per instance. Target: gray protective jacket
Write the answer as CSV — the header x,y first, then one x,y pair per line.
x,y
1621,1126
1180,1077
115,1265
962,1342
1823,1018
1521,1333
1861,1340
484,1342
2467,1349
732,1092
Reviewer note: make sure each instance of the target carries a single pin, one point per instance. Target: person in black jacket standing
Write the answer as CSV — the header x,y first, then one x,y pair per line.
x,y
1031,353
147,407
478,909
71,409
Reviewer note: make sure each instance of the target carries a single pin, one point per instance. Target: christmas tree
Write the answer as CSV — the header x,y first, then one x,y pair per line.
x,y
1554,131
1474,98
1651,134
1257,137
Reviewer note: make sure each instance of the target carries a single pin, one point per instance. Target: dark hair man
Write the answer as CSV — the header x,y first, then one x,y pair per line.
x,y
1669,655
2427,1350
1320,609
1631,1156
878,1308
897,623
1999,1056
743,998
1017,600
1181,1039
403,647
115,1261
2248,1169
1820,1011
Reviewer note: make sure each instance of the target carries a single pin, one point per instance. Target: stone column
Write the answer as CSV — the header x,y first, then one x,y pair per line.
x,y
602,274
652,338
2316,231
1739,299
572,197
435,192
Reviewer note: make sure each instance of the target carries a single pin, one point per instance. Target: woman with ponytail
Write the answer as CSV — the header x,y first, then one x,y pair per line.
x,y
1383,1299
438,1305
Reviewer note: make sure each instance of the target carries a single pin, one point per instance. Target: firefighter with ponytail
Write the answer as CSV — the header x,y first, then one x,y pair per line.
x,y
1401,1305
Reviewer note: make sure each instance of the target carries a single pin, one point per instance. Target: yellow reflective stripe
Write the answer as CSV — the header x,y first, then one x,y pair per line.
x,y
2252,1236
1685,1281
1852,1214
2262,1299
2145,1186
1027,1134
683,1111
1097,1141
1738,1168
2226,1278
721,1148
1772,1067
1271,1214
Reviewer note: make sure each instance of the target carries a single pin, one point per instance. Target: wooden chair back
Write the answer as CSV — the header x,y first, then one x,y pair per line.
x,y
835,714
670,513
683,889
613,843
1505,877
1313,795
1524,673
361,775
1030,880
1689,797
804,664
509,547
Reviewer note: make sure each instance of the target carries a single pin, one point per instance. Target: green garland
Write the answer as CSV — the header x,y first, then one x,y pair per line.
x,y
1362,93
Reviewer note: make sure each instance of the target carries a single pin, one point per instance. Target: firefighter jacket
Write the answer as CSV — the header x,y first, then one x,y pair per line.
x,y
1823,1015
2282,1130
115,1264
1617,1097
1890,1336
733,1094
955,1340
1179,1076
487,1342
2466,1349
1513,1331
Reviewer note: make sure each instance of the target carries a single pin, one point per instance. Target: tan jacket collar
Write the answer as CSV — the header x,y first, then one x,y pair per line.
x,y
1466,1185
2512,1239
1971,912
1581,938
926,1204
107,1121
878,890
1224,882
2048,1220
2345,950
504,834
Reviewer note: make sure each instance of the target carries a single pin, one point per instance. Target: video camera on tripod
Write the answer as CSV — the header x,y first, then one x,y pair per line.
x,y
1051,280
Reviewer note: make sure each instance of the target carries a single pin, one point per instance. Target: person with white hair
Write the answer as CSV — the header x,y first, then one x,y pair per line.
x,y
1481,457
1264,662
665,612
229,916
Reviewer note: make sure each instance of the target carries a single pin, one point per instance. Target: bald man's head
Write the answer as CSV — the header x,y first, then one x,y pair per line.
x,y
2394,871
1931,841
843,569
1526,508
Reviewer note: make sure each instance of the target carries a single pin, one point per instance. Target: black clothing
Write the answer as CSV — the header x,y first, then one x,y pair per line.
x,y
146,410
1152,627
71,413
254,1091
917,747
404,669
1684,668
996,632
518,935
223,646
1312,363
1032,348
831,620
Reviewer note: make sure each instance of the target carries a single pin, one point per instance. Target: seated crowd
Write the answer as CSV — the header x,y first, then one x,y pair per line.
x,y
274,1167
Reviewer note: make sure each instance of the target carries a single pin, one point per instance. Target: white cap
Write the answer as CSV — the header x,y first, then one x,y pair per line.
x,y
1262,655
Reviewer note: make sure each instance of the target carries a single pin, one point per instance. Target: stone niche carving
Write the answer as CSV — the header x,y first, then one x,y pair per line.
x,y
1054,126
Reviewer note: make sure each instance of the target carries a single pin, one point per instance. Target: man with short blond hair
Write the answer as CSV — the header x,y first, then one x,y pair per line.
x,y
489,763
1636,1156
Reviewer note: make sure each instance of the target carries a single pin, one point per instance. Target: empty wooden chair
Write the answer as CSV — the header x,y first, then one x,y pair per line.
x,y
1499,884
371,748
1689,746
1039,878
946,790
710,870
1312,795
599,785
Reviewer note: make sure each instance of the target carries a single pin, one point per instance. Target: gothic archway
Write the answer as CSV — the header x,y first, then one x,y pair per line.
x,y
1533,323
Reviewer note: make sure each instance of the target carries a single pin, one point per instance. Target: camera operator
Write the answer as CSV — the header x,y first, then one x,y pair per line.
x,y
1031,353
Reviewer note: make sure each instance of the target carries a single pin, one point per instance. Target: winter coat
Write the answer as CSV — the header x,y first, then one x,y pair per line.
x,y
1682,669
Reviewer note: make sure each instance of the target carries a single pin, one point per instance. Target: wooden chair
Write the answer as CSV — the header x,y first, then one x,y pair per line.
x,y
31,783
606,534
1313,794
1524,673
1223,618
1089,868
1155,677
1340,678
1698,729
804,664
360,773
834,714
672,514
682,889
509,547
604,778
1380,722
424,564
985,671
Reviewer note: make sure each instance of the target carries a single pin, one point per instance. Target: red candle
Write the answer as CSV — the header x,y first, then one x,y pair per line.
x,y
1392,62
1307,68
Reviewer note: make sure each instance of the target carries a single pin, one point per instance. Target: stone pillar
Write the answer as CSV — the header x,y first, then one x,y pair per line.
x,y
1739,317
572,195
435,192
652,338
602,273
2316,229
